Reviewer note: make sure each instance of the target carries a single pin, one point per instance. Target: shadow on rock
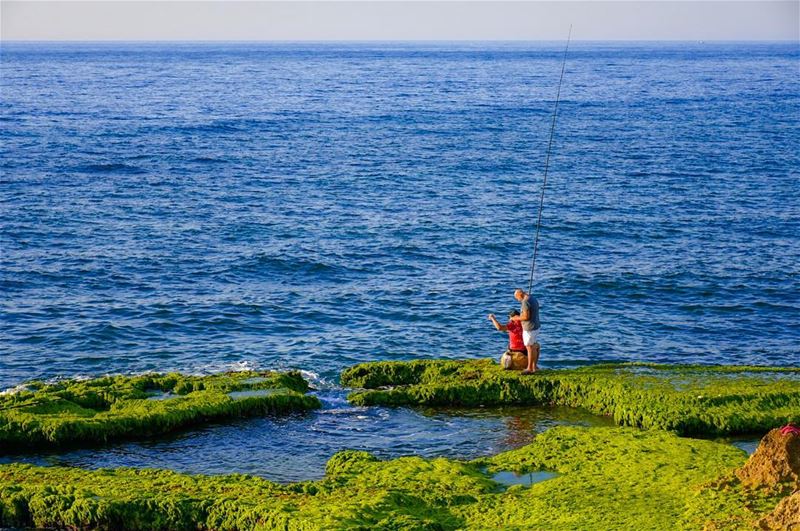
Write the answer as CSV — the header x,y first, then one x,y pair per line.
x,y
775,465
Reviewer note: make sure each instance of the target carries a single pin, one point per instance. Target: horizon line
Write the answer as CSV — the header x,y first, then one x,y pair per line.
x,y
386,41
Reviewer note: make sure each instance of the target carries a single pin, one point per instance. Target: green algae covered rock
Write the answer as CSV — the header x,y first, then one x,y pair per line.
x,y
687,399
72,412
608,478
624,478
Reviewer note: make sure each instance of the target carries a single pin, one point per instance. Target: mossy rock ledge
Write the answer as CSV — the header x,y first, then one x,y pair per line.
x,y
605,478
697,400
75,412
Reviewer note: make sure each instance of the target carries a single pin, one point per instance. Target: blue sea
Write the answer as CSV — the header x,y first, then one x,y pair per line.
x,y
207,206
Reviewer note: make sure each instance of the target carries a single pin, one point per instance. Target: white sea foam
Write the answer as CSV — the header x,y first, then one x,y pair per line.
x,y
16,389
226,366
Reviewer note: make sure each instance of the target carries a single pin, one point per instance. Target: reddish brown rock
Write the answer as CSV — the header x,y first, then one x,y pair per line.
x,y
786,515
775,464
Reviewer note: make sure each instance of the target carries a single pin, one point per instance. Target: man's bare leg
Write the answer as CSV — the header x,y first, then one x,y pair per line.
x,y
533,357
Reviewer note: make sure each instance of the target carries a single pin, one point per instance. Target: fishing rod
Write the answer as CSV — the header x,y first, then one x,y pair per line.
x,y
547,161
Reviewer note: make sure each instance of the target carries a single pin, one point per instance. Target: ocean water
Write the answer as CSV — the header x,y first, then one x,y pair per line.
x,y
196,206
200,207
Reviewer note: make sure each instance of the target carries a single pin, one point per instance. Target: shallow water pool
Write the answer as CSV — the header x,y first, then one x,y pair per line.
x,y
296,447
510,478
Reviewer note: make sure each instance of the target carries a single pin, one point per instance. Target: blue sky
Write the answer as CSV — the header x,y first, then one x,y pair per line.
x,y
393,20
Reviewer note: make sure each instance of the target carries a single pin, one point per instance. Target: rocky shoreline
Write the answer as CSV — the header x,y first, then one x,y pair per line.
x,y
92,411
621,477
696,400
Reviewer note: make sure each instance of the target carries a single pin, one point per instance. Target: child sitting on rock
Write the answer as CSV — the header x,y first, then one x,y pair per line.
x,y
516,355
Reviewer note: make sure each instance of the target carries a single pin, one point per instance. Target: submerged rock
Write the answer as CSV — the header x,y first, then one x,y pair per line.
x,y
509,478
775,463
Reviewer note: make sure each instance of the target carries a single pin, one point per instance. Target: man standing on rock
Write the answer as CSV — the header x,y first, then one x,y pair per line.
x,y
529,318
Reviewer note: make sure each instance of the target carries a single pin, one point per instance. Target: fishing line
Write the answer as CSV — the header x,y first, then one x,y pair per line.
x,y
547,162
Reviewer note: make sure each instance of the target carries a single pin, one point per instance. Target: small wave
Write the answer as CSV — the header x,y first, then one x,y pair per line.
x,y
213,127
208,160
265,264
241,125
25,386
319,382
17,389
292,264
101,332
110,168
232,366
